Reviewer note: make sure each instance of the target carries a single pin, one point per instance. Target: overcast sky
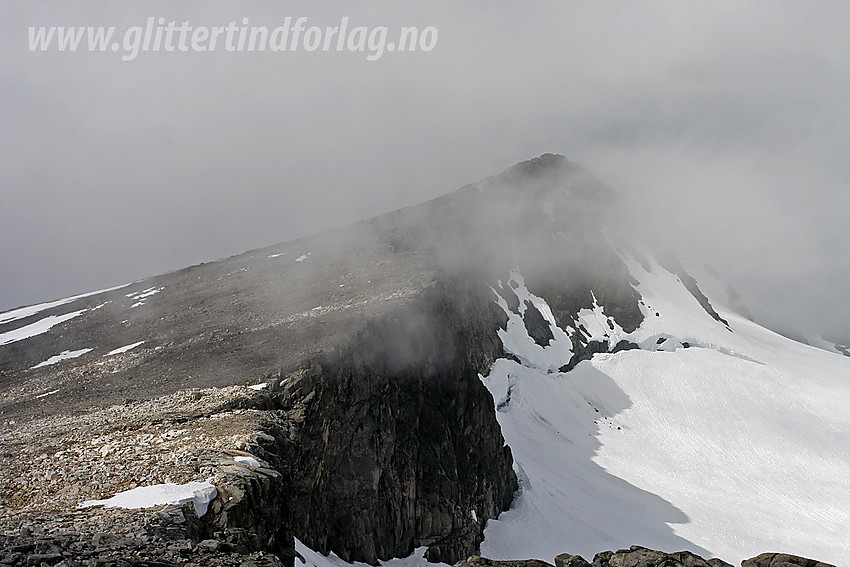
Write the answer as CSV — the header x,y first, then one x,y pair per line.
x,y
727,122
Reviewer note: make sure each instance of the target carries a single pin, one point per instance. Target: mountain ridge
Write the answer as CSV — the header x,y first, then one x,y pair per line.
x,y
396,370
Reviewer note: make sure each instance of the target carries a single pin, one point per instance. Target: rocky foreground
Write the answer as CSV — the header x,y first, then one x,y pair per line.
x,y
637,556
171,536
50,466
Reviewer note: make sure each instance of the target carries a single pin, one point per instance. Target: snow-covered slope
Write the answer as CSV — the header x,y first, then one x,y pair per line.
x,y
725,440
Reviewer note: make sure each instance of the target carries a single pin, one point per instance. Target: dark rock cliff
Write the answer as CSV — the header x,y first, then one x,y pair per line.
x,y
398,444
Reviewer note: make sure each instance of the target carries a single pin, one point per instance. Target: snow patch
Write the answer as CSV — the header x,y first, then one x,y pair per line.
x,y
516,339
44,395
303,257
22,312
250,461
258,387
64,355
200,494
142,295
598,326
315,559
123,349
37,328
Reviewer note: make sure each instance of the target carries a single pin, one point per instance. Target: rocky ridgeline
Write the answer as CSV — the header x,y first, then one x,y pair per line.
x,y
373,432
637,556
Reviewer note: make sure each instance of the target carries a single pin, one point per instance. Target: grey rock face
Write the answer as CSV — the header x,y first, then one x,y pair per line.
x,y
538,328
635,556
399,446
475,561
251,503
567,560
782,560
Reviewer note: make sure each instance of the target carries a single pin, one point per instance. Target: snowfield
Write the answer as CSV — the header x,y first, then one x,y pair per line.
x,y
737,445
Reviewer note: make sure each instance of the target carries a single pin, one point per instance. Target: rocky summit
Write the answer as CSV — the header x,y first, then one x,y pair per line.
x,y
329,389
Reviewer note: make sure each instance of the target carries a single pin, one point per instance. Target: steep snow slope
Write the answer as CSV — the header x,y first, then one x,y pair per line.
x,y
723,440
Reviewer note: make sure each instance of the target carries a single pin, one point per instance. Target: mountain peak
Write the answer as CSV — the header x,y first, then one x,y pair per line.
x,y
542,163
399,370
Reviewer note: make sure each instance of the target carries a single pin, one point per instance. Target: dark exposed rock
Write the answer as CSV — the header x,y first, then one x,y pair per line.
x,y
567,560
584,351
476,561
507,291
672,264
637,556
163,538
399,442
596,272
252,509
538,328
782,560
624,345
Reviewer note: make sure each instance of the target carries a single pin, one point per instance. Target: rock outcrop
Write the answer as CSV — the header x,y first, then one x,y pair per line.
x,y
637,556
399,446
167,537
782,560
